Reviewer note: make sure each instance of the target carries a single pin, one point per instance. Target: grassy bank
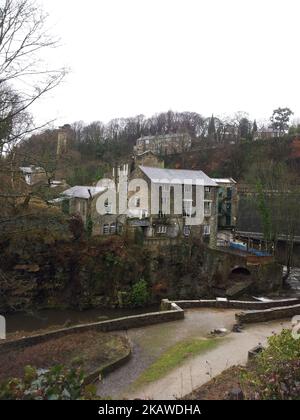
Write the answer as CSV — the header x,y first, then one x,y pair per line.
x,y
174,357
90,350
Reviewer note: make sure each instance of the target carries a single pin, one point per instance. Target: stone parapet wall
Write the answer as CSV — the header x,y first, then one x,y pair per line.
x,y
136,321
236,304
268,314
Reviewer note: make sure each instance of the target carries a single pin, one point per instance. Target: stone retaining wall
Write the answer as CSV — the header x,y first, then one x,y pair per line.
x,y
268,314
135,321
236,304
110,367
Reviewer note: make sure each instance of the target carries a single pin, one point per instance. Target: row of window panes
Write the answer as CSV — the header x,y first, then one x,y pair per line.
x,y
162,229
112,229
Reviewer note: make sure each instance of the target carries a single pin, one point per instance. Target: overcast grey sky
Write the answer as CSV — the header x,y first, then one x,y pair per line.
x,y
130,57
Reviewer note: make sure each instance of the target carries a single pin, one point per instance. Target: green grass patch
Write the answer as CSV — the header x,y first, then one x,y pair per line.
x,y
175,356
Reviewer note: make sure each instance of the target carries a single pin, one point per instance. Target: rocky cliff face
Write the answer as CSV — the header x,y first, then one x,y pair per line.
x,y
68,274
94,273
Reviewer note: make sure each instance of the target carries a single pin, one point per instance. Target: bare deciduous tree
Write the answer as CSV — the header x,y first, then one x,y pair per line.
x,y
24,76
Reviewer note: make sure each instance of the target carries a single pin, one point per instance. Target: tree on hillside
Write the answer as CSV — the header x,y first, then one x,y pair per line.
x,y
24,77
280,120
277,197
244,128
211,130
254,129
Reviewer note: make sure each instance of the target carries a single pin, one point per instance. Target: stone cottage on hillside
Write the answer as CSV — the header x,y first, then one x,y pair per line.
x,y
164,144
33,174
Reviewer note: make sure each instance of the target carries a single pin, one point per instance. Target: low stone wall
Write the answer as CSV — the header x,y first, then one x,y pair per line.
x,y
135,321
110,367
236,304
268,314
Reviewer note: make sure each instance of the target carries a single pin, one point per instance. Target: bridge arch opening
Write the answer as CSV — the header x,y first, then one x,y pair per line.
x,y
239,273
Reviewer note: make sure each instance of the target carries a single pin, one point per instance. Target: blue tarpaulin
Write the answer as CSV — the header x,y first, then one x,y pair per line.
x,y
243,247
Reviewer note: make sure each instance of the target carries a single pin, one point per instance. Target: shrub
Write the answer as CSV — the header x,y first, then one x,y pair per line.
x,y
57,383
76,226
140,295
275,374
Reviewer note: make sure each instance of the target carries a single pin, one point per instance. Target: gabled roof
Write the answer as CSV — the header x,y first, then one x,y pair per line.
x,y
83,192
177,176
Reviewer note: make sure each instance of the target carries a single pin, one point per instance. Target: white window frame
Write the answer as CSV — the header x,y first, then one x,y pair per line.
x,y
206,230
162,230
207,193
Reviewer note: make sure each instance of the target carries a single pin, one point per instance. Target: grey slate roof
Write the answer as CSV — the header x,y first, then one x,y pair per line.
x,y
224,180
177,176
83,192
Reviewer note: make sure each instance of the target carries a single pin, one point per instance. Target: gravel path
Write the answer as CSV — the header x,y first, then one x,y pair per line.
x,y
197,371
150,342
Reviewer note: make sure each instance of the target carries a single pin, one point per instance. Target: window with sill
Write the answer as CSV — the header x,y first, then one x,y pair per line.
x,y
207,193
206,230
207,208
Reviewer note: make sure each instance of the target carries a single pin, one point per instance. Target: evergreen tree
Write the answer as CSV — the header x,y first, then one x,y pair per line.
x,y
211,127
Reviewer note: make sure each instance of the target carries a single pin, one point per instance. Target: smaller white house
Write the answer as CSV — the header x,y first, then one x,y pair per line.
x,y
81,199
33,174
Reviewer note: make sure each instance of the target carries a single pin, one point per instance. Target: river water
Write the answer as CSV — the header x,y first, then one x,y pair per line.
x,y
294,281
